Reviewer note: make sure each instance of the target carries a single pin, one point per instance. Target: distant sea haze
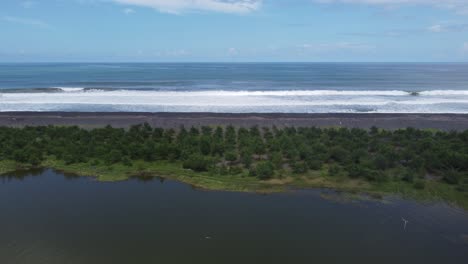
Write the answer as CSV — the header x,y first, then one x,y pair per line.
x,y
236,87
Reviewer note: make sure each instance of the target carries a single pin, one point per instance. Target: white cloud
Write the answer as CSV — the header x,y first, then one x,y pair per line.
x,y
178,6
398,2
128,11
232,51
460,6
339,46
448,27
173,53
25,21
28,4
436,28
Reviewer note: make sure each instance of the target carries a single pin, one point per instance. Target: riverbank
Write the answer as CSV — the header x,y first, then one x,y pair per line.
x,y
433,191
444,122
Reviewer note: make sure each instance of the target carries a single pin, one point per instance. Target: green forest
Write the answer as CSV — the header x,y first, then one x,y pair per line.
x,y
406,159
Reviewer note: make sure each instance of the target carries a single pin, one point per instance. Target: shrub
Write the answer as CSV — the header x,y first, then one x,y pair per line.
x,y
408,177
223,170
114,156
126,161
452,177
197,163
264,170
246,158
299,167
462,188
378,176
205,146
277,159
252,172
334,170
230,156
356,171
380,162
339,154
314,164
234,170
420,185
382,177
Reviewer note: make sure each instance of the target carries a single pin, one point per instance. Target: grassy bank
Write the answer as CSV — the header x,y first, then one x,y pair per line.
x,y
432,191
9,166
205,180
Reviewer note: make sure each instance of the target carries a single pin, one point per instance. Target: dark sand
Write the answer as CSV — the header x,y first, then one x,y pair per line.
x,y
175,120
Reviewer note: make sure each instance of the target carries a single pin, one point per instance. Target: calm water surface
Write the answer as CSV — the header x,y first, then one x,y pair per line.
x,y
46,217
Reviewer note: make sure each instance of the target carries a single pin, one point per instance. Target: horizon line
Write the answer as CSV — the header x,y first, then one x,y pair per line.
x,y
224,62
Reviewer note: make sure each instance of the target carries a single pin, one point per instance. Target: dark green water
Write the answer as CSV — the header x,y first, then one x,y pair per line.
x,y
50,218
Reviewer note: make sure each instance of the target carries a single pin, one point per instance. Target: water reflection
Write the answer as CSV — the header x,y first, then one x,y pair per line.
x,y
21,174
148,178
69,176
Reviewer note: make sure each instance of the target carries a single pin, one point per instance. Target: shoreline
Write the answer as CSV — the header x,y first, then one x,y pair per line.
x,y
446,122
433,192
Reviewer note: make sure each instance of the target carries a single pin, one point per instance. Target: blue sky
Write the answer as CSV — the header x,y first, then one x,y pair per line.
x,y
233,30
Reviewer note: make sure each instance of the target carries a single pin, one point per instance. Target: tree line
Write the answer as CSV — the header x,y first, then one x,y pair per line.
x,y
375,155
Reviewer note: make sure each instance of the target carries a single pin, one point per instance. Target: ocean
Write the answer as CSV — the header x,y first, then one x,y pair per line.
x,y
235,87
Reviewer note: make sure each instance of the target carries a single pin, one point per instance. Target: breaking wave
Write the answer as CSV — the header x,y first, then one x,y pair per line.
x,y
287,101
248,92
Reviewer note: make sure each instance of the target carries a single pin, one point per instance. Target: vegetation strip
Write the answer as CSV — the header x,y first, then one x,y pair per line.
x,y
424,164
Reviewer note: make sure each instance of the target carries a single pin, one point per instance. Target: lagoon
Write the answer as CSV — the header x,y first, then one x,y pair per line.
x,y
49,217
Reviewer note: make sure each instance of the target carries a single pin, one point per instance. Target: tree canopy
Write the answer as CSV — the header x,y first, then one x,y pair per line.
x,y
374,155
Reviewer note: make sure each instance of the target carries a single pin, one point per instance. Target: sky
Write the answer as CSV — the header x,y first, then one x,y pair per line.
x,y
234,31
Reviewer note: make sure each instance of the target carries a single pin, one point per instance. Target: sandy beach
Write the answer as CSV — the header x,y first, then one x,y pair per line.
x,y
175,120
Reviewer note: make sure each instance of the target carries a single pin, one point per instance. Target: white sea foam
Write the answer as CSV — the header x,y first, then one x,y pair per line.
x,y
70,89
300,101
445,92
248,93
280,93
